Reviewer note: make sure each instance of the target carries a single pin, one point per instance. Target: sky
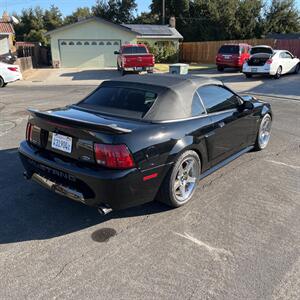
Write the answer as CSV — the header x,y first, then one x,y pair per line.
x,y
66,6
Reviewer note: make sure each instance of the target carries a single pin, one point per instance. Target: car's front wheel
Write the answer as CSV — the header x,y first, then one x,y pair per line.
x,y
220,68
297,69
264,132
181,181
2,83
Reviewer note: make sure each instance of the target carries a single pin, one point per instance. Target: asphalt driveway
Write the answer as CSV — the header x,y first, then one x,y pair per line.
x,y
238,239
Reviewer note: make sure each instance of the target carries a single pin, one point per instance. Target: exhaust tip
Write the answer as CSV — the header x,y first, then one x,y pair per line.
x,y
104,210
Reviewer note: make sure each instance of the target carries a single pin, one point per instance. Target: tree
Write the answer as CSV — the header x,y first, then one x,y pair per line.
x,y
146,18
282,17
52,18
117,11
79,14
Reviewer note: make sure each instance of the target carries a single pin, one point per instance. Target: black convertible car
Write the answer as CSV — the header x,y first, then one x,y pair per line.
x,y
138,138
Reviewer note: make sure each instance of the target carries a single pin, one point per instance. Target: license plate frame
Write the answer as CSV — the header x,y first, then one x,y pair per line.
x,y
61,142
254,70
139,69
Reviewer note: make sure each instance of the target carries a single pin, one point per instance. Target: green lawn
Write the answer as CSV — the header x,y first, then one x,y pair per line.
x,y
192,67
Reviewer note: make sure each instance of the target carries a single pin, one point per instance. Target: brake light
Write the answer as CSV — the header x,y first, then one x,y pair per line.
x,y
29,132
113,156
153,60
14,69
269,61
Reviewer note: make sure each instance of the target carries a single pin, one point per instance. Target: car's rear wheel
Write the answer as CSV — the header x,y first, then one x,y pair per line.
x,y
123,72
181,181
264,133
220,68
2,83
248,75
278,73
297,69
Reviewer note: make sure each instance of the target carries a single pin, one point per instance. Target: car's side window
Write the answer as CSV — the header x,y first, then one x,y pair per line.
x,y
197,107
282,55
217,98
288,55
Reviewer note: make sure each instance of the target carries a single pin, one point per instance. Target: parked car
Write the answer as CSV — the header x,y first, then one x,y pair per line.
x,y
232,56
266,61
135,57
138,138
9,73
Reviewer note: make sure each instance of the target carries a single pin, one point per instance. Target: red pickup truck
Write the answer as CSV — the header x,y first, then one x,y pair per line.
x,y
135,57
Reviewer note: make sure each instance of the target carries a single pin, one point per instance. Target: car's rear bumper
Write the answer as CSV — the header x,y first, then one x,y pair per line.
x,y
139,69
228,64
256,70
116,189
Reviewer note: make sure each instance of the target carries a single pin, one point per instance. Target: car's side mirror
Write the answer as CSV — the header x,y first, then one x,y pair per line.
x,y
247,102
116,52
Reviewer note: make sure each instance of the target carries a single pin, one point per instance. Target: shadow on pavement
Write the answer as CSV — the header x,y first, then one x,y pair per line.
x,y
92,75
30,212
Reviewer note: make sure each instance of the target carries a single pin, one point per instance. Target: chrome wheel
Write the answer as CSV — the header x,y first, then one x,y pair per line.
x,y
186,179
264,131
278,73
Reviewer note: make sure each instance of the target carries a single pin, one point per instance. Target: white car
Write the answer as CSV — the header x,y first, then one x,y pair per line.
x,y
266,61
9,73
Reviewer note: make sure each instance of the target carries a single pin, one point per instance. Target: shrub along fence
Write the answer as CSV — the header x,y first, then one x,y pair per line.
x,y
205,52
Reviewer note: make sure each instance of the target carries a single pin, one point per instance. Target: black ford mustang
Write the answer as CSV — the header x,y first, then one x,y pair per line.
x,y
138,138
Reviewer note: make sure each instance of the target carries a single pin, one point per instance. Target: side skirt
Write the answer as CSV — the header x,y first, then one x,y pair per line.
x,y
225,162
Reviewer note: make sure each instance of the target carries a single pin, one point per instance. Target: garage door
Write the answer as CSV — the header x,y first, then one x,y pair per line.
x,y
88,53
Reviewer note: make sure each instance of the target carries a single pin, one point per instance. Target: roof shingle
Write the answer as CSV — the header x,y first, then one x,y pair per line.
x,y
6,27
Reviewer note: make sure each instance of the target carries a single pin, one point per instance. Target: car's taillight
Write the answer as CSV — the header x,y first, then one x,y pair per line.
x,y
14,69
29,132
269,61
113,156
124,60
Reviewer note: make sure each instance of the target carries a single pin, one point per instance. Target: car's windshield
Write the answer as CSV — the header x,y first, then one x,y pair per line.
x,y
120,101
134,50
256,50
229,49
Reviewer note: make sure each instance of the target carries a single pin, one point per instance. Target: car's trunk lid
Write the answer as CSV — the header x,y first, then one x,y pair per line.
x,y
71,133
259,59
138,60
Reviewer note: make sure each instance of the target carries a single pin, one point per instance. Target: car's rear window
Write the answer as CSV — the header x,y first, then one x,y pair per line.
x,y
120,101
134,50
256,50
229,49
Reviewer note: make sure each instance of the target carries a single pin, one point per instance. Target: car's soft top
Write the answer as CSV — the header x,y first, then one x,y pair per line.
x,y
175,93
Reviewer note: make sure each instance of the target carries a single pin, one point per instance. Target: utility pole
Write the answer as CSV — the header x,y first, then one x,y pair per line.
x,y
163,11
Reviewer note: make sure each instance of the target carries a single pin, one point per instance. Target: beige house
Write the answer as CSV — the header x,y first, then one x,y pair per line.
x,y
91,43
7,35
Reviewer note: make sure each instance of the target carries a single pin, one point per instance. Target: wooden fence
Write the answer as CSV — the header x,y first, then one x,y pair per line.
x,y
205,52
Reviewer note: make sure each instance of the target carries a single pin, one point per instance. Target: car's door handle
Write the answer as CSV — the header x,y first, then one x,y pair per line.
x,y
221,124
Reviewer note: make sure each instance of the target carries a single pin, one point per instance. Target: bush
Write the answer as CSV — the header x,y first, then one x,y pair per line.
x,y
164,54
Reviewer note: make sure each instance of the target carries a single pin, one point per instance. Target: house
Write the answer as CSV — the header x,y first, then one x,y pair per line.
x,y
90,43
7,35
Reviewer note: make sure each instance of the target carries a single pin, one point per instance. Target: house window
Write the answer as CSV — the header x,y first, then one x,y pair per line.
x,y
78,43
116,43
94,43
71,44
108,44
63,43
86,43
101,43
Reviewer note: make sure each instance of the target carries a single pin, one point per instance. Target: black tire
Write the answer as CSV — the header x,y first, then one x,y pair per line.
x,y
123,72
258,143
297,69
118,67
150,71
248,75
278,73
2,83
167,193
220,68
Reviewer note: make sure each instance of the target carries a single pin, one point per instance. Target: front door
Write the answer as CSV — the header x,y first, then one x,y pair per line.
x,y
233,127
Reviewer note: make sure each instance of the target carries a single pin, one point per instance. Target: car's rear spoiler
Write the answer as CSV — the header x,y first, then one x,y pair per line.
x,y
111,128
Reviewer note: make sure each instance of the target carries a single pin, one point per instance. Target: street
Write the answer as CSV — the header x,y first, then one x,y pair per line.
x,y
238,239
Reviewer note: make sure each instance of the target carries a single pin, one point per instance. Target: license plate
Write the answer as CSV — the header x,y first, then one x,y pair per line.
x,y
139,69
253,69
227,56
62,142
